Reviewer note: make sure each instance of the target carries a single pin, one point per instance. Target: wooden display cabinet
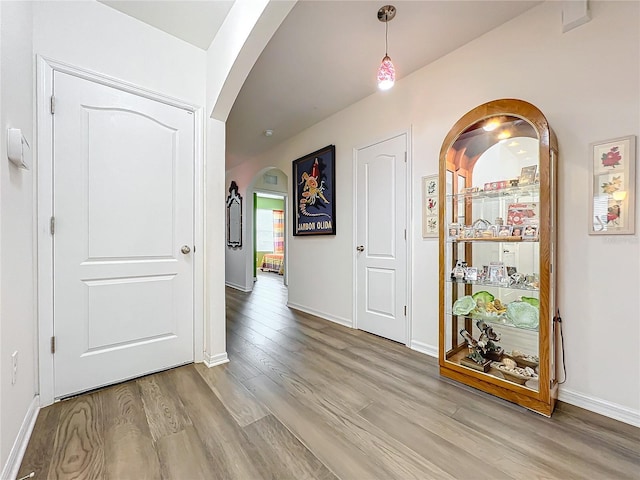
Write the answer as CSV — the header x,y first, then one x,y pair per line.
x,y
498,226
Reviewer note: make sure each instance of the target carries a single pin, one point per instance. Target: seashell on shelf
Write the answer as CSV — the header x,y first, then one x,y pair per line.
x,y
508,362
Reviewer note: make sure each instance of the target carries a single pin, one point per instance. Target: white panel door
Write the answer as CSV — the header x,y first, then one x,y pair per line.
x,y
381,246
123,170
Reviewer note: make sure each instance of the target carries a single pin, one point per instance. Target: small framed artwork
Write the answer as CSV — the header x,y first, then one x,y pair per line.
x,y
612,189
469,232
453,232
430,206
530,232
504,230
471,274
528,175
497,273
314,188
516,231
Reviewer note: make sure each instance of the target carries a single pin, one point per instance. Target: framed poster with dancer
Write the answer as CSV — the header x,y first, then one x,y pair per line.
x,y
314,179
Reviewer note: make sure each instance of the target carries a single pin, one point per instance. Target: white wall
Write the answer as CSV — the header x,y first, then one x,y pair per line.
x,y
17,281
98,38
586,82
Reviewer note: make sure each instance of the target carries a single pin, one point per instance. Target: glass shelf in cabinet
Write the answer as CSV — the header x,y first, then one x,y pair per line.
x,y
497,285
498,320
494,239
523,191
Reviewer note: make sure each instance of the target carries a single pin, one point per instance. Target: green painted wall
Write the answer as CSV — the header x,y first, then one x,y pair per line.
x,y
270,203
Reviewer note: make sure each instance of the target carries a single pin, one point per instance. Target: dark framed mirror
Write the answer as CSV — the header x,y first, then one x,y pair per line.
x,y
234,217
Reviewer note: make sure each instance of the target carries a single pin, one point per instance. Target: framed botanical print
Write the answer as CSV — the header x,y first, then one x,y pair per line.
x,y
612,186
430,224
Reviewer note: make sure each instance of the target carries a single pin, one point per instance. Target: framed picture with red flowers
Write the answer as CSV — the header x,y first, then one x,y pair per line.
x,y
430,227
612,179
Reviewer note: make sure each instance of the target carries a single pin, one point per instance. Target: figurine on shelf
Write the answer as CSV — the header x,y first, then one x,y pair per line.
x,y
485,347
459,270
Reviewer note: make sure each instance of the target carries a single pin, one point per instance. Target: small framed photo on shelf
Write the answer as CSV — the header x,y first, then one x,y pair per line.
x,y
471,274
516,231
453,232
530,232
504,230
469,232
528,175
497,273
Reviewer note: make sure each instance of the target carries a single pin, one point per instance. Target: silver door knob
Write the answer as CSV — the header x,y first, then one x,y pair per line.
x,y
360,248
185,249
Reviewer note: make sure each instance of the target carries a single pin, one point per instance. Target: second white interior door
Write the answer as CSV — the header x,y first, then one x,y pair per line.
x,y
381,239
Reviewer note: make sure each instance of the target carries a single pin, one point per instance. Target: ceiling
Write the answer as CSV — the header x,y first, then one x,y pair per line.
x,y
324,56
195,22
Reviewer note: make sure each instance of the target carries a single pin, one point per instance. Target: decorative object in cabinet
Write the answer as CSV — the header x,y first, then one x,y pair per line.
x,y
497,253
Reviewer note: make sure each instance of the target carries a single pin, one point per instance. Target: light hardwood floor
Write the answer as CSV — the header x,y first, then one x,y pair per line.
x,y
306,398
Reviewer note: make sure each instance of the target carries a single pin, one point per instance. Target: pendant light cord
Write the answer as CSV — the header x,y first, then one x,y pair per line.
x,y
386,37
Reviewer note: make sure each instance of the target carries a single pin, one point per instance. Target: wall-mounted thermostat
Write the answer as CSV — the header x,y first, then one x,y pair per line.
x,y
15,143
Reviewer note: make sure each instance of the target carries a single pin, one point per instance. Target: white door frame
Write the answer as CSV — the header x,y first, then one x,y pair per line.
x,y
44,210
409,223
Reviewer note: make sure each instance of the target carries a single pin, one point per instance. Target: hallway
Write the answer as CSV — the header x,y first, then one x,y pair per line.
x,y
306,398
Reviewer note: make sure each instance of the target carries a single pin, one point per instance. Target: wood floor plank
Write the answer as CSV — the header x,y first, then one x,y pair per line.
x,y
339,454
392,458
282,455
183,456
453,459
128,446
163,408
494,450
618,435
300,332
240,403
78,450
575,443
219,433
542,449
240,370
307,380
37,457
437,393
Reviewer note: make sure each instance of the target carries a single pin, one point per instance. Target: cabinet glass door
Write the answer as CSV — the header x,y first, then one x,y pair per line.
x,y
492,251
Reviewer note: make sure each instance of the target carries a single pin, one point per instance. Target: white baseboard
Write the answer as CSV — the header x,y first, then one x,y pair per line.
x,y
213,360
430,350
237,287
341,321
12,466
603,407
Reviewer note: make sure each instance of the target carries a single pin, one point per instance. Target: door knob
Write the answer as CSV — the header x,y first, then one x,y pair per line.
x,y
360,248
185,249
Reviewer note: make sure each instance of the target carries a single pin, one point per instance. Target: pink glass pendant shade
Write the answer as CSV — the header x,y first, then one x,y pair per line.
x,y
386,74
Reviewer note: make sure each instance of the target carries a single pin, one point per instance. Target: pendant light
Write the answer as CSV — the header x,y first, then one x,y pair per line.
x,y
386,71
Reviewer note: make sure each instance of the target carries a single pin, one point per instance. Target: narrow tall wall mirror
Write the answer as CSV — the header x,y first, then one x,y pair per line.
x,y
234,217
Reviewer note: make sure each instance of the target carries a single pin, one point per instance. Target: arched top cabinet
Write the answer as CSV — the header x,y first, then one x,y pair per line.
x,y
497,212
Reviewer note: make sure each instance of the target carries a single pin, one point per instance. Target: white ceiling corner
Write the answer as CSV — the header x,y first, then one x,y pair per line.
x,y
195,22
